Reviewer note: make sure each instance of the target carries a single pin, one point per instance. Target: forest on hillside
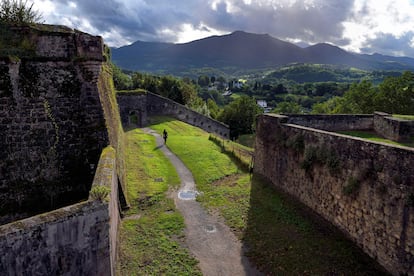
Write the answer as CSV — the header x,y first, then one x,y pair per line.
x,y
299,88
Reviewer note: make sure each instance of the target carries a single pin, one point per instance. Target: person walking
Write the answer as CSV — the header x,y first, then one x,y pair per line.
x,y
165,136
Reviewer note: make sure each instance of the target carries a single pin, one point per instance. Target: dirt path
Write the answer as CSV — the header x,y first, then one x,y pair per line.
x,y
216,248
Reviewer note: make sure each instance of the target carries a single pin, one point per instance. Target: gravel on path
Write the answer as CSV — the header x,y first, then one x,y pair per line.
x,y
212,243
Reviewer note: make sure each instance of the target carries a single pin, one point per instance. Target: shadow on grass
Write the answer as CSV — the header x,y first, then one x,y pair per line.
x,y
285,237
158,147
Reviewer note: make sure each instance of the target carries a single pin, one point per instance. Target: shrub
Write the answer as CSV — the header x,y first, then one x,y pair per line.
x,y
310,156
99,193
296,142
18,12
352,186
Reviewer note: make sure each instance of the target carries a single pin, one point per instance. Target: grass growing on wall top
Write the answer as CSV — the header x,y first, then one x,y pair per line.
x,y
139,90
151,234
283,237
374,137
404,117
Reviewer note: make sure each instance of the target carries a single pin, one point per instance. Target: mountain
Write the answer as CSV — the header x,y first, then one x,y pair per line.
x,y
243,50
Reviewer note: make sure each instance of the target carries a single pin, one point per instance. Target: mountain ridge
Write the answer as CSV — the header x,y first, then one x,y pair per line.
x,y
244,50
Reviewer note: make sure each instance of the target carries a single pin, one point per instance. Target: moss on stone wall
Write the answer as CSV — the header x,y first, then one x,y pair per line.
x,y
5,83
113,120
15,43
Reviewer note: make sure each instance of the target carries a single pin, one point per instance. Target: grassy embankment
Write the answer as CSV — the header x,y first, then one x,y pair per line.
x,y
404,117
283,237
151,234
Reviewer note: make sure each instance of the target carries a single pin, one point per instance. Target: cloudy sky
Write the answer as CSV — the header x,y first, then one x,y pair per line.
x,y
363,26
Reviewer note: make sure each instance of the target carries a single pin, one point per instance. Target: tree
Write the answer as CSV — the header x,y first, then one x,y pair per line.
x,y
240,115
396,94
288,107
121,80
203,81
18,12
359,99
213,108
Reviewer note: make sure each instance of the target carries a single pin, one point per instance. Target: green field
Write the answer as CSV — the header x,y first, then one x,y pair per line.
x,y
283,237
151,234
404,117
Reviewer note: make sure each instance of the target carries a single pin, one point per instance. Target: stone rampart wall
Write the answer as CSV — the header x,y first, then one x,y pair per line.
x,y
79,239
133,108
147,104
366,189
333,122
58,110
393,128
51,120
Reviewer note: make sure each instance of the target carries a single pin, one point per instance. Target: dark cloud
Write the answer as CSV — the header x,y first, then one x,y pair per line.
x,y
162,20
390,45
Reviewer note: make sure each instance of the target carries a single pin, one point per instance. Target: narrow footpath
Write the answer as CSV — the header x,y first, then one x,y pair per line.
x,y
212,243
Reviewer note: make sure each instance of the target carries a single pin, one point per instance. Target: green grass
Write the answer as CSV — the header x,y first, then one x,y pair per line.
x,y
247,140
283,237
374,137
151,234
404,117
139,90
241,155
203,157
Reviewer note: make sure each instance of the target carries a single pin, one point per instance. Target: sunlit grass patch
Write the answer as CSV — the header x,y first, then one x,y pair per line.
x,y
198,153
282,236
151,234
404,117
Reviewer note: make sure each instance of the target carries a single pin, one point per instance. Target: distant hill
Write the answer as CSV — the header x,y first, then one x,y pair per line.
x,y
243,50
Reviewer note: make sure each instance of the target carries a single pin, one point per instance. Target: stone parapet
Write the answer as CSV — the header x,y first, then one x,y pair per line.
x,y
364,188
393,128
135,107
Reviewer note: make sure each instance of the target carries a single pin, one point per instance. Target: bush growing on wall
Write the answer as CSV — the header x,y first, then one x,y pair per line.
x,y
18,12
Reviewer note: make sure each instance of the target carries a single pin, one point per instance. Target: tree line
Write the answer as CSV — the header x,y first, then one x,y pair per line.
x,y
394,95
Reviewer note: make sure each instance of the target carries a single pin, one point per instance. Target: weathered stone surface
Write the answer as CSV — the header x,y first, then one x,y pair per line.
x,y
73,240
57,112
51,120
362,187
393,128
141,105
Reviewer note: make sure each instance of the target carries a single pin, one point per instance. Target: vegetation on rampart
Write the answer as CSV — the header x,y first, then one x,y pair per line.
x,y
151,233
369,135
283,237
18,12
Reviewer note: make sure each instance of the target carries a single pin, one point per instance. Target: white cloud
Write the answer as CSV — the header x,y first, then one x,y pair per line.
x,y
370,20
357,25
188,32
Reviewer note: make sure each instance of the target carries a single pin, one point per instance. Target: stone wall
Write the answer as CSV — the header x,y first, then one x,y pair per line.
x,y
106,176
393,128
139,106
366,189
58,110
333,122
51,119
133,108
79,239
69,241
